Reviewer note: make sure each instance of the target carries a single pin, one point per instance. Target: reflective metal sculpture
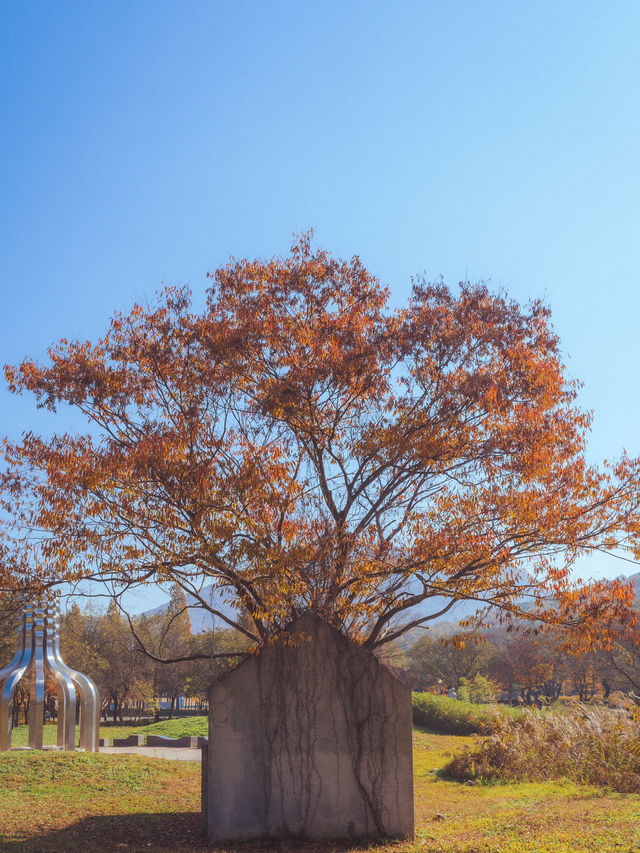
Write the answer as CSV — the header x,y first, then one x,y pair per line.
x,y
39,648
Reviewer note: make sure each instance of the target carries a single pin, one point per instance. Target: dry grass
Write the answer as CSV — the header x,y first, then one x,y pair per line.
x,y
590,744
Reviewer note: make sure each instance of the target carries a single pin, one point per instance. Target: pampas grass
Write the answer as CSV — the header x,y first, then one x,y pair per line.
x,y
593,745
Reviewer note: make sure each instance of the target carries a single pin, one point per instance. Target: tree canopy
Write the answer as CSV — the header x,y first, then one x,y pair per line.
x,y
300,444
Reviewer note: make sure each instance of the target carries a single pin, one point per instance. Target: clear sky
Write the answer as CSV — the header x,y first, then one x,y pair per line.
x,y
146,142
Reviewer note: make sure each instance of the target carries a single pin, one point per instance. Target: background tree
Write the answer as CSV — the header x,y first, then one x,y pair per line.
x,y
610,666
444,662
215,652
479,689
10,606
526,663
82,638
394,657
583,674
172,638
123,675
109,648
300,445
9,616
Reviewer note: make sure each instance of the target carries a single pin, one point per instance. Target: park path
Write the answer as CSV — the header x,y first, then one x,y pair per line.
x,y
172,752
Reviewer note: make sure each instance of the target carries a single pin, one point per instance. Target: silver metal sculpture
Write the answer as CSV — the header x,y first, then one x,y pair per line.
x,y
39,648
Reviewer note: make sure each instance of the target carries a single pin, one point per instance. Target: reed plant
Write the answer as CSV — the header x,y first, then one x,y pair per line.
x,y
594,745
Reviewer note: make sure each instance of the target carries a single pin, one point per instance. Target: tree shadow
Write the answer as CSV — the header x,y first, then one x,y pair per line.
x,y
158,832
140,831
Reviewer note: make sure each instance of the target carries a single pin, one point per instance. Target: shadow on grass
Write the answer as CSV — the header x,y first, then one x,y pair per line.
x,y
113,832
156,832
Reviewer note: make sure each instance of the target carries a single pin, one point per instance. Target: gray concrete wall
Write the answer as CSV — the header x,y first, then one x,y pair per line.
x,y
311,737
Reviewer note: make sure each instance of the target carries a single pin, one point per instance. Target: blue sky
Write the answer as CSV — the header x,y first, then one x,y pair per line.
x,y
147,142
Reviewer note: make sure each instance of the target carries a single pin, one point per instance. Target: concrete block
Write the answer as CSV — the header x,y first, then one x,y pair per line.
x,y
310,738
104,741
132,740
204,784
159,740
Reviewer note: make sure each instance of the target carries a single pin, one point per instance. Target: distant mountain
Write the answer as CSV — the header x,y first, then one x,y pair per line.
x,y
635,580
202,620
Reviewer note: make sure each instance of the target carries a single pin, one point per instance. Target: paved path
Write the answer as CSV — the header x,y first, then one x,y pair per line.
x,y
173,752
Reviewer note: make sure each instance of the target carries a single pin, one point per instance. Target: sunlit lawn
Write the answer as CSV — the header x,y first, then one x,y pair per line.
x,y
77,802
168,728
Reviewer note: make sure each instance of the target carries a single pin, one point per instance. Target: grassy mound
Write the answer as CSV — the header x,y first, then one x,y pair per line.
x,y
455,717
179,727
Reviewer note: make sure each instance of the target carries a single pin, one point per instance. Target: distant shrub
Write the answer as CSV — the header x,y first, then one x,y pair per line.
x,y
618,699
478,690
567,701
590,745
455,716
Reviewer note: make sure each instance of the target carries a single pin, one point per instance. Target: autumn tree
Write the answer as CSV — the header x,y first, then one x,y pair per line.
x,y
122,676
610,666
299,444
619,666
171,638
10,606
528,663
214,652
81,639
435,661
9,609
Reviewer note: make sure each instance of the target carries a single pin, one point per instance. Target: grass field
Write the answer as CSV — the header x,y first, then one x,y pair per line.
x,y
168,728
77,802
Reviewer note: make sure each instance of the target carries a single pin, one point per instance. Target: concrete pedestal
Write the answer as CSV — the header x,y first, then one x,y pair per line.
x,y
309,738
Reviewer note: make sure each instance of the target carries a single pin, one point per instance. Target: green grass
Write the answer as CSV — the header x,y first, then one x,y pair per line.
x,y
79,802
453,716
179,727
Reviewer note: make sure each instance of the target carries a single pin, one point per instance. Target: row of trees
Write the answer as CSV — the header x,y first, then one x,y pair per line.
x,y
522,663
134,662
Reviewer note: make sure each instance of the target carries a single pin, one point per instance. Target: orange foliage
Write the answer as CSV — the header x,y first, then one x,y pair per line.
x,y
300,445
